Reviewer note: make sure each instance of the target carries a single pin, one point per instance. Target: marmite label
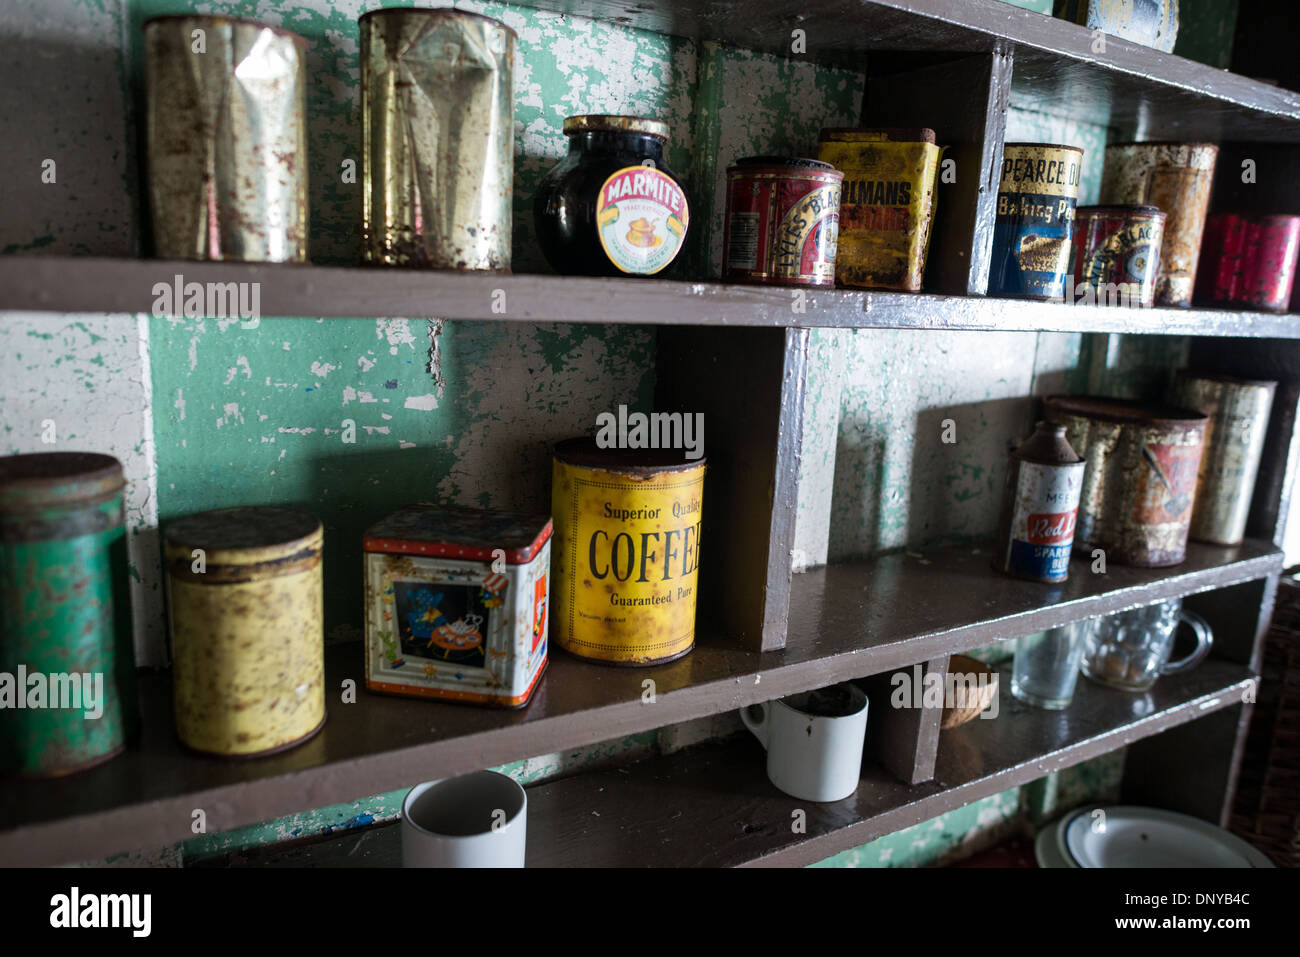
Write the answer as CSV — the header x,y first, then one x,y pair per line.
x,y
641,218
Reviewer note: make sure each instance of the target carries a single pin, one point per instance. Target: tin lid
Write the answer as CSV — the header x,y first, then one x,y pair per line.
x,y
57,478
400,13
449,531
1125,411
217,21
1048,446
1190,146
888,134
613,123
1045,146
1121,209
641,463
246,535
789,162
1187,375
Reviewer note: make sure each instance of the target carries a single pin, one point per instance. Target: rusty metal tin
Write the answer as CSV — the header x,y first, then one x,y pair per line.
x,y
1249,261
456,604
1038,190
1117,254
1139,486
1238,411
437,118
226,138
245,610
782,221
1153,23
67,671
1040,507
627,552
886,204
1176,178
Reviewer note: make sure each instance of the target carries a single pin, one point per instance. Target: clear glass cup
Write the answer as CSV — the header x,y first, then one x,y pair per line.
x,y
1046,666
1130,649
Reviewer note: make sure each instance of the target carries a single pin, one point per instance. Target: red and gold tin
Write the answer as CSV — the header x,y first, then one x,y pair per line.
x,y
782,223
886,204
456,604
1176,178
1249,261
1117,254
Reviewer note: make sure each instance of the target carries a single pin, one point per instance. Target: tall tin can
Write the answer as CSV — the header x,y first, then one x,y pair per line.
x,y
887,204
1140,482
1040,507
1238,411
1033,227
1249,261
782,222
1153,23
456,604
65,626
1173,177
437,120
627,552
245,603
226,138
1117,254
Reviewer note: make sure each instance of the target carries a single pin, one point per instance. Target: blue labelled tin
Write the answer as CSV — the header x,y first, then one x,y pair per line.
x,y
1033,228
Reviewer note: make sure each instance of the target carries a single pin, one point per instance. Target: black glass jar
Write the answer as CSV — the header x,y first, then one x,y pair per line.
x,y
612,207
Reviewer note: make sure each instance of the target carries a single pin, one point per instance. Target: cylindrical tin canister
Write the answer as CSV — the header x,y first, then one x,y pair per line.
x,y
245,610
626,552
1140,482
65,626
1117,254
1035,216
1040,507
886,204
1234,441
1176,178
226,128
437,119
1249,261
1153,23
782,223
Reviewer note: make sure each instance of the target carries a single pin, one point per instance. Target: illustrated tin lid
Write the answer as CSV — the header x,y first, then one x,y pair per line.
x,y
613,123
1125,411
57,478
639,463
885,134
245,535
449,531
1120,209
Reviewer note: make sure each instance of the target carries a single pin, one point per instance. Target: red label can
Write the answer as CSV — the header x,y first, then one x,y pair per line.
x,y
1117,254
1248,261
782,222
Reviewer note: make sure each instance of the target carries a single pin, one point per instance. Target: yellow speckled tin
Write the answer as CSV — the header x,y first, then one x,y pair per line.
x,y
626,552
247,629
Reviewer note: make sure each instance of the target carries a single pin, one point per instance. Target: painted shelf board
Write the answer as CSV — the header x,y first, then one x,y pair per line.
x,y
126,286
712,806
1156,95
848,621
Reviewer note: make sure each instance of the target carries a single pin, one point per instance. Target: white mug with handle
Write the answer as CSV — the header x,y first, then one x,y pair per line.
x,y
814,740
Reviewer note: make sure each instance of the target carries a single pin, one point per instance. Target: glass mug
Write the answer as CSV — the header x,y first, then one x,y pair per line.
x,y
1130,649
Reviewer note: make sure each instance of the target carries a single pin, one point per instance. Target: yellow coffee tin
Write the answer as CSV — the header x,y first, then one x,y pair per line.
x,y
626,552
245,609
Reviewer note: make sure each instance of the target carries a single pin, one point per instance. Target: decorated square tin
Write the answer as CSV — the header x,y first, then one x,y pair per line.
x,y
456,604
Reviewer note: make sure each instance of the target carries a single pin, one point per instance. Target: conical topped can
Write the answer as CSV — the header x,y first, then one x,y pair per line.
x,y
1040,507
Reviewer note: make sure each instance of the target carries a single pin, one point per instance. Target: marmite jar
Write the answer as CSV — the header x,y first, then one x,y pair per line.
x,y
612,207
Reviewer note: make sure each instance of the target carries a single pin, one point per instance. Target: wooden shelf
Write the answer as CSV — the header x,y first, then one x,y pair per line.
x,y
712,806
125,286
847,621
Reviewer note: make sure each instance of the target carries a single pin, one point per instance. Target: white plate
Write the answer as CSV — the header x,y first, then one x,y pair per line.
x,y
1047,848
1149,837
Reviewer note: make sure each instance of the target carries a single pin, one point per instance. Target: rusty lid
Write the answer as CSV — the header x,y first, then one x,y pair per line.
x,y
1120,209
1190,146
783,162
57,478
217,21
613,123
640,463
434,13
450,531
246,535
890,134
1187,375
1124,411
1044,146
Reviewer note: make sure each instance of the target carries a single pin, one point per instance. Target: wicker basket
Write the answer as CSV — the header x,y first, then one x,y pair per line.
x,y
969,701
1267,807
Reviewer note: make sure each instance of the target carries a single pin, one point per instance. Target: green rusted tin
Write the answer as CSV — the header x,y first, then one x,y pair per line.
x,y
67,670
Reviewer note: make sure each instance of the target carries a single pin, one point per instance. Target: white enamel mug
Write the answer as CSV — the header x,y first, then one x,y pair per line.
x,y
476,820
814,740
